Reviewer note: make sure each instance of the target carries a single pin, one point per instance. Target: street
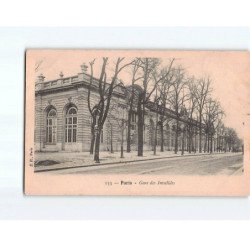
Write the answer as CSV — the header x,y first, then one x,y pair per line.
x,y
215,164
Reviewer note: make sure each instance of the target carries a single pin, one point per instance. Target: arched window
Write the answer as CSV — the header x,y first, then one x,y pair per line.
x,y
71,125
51,126
133,121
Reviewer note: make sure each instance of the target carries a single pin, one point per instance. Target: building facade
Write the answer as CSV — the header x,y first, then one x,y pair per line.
x,y
63,121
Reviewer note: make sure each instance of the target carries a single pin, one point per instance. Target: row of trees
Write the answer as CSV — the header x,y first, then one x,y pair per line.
x,y
164,87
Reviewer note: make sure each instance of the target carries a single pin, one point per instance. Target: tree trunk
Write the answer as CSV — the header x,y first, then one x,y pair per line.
x,y
189,145
208,144
190,142
182,144
200,136
176,136
211,146
129,131
122,156
195,141
155,140
140,127
205,145
162,135
97,147
91,151
111,140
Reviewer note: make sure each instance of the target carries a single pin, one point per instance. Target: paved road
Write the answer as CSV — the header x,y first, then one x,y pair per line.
x,y
225,164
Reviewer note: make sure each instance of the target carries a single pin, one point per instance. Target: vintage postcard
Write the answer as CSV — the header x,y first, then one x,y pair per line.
x,y
137,122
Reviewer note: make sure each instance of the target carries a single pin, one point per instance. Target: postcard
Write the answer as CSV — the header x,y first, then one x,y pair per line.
x,y
137,122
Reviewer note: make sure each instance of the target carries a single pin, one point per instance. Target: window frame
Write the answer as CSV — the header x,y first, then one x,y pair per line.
x,y
51,127
71,124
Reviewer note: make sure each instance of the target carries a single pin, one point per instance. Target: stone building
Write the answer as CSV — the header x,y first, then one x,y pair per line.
x,y
63,121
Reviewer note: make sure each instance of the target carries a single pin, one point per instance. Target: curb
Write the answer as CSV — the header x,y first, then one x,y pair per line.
x,y
123,162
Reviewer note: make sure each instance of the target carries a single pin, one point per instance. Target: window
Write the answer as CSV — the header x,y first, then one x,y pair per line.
x,y
133,117
133,121
71,125
133,127
51,126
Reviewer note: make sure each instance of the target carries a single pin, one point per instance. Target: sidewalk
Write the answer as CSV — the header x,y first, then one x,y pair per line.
x,y
47,161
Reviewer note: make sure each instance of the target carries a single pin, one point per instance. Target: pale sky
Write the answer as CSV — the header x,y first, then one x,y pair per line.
x,y
229,72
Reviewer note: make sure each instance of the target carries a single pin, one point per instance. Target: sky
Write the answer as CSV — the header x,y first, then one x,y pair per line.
x,y
229,72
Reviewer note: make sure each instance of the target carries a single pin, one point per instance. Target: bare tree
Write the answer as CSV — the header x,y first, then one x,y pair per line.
x,y
110,131
148,67
191,110
152,75
156,102
202,91
99,111
132,98
177,98
164,90
232,140
221,129
92,110
211,116
118,117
